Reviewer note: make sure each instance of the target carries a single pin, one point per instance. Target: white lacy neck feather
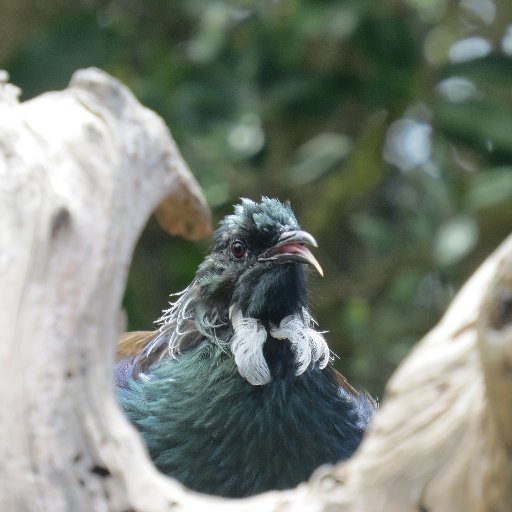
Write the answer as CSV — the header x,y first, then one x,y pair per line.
x,y
249,336
308,345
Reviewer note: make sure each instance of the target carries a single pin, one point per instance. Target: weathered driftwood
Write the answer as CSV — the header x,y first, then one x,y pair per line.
x,y
80,172
443,438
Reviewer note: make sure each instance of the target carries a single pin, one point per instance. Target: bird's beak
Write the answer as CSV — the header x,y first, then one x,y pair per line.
x,y
290,247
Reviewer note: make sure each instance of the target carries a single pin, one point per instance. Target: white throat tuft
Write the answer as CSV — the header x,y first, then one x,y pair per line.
x,y
247,348
308,346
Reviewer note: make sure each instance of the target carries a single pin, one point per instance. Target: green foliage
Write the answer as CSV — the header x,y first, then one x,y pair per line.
x,y
393,144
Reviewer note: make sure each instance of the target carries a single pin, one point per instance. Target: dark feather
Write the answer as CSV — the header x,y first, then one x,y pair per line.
x,y
218,434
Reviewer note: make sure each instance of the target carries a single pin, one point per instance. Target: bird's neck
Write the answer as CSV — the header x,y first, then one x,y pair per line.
x,y
261,309
279,292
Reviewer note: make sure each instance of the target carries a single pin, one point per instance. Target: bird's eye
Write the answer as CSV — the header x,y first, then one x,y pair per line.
x,y
238,249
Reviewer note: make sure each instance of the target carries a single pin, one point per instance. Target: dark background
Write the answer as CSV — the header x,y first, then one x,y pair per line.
x,y
388,124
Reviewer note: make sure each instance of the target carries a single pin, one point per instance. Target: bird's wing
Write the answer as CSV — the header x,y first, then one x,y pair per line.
x,y
133,343
363,402
138,350
343,383
132,357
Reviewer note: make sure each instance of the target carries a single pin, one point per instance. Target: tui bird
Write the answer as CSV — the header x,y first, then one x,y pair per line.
x,y
234,394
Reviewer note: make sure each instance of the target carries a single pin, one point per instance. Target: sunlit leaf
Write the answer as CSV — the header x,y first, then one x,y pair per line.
x,y
455,239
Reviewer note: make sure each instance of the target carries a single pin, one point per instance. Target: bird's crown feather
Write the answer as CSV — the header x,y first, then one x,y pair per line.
x,y
264,216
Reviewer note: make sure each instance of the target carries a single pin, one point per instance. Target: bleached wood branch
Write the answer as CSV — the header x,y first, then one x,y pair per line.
x,y
80,172
442,440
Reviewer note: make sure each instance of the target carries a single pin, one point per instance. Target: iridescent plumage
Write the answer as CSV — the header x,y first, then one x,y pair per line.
x,y
234,393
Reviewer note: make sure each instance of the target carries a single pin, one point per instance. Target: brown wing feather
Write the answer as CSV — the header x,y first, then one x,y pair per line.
x,y
132,343
342,382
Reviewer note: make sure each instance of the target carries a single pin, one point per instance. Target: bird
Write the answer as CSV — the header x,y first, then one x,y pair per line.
x,y
235,393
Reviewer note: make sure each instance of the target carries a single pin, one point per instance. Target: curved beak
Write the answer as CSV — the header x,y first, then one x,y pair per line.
x,y
291,247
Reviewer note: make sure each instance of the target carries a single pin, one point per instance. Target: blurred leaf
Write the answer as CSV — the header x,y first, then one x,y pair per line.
x,y
483,123
246,138
492,73
357,176
85,43
490,188
455,239
373,230
318,156
356,314
215,24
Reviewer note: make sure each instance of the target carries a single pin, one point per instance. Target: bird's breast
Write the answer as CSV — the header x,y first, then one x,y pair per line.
x,y
211,429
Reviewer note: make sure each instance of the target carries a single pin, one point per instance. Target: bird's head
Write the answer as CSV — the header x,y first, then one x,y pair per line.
x,y
251,287
256,262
